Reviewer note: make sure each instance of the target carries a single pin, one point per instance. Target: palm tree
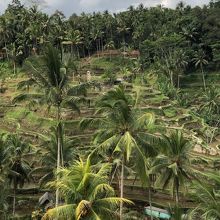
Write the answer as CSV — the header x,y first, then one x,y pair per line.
x,y
55,91
200,61
175,162
123,30
121,129
4,33
74,38
211,101
181,60
191,34
19,167
167,64
177,213
125,73
49,155
86,192
4,163
207,196
3,197
110,46
4,152
96,35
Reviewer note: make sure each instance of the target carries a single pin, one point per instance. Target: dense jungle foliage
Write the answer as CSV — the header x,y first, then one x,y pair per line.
x,y
103,114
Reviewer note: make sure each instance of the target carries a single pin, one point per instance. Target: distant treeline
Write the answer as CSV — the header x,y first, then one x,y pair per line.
x,y
158,32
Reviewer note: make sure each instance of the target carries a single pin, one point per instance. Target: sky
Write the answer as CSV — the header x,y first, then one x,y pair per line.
x,y
77,6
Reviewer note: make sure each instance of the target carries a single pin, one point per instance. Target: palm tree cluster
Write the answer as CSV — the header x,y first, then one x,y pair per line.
x,y
87,193
133,135
14,167
125,143
151,30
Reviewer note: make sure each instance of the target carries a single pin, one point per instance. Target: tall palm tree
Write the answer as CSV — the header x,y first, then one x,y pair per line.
x,y
86,192
4,33
49,154
175,163
19,167
200,61
4,168
3,197
110,46
181,60
121,128
122,29
191,34
74,38
52,80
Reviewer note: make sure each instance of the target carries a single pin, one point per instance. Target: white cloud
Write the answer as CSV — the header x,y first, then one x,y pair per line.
x,y
89,3
78,6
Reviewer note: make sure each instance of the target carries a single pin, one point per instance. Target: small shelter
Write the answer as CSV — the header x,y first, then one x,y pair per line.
x,y
46,201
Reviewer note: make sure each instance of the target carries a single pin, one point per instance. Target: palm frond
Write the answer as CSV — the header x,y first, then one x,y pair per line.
x,y
27,97
60,213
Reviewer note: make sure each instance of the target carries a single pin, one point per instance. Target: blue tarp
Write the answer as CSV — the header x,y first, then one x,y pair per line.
x,y
156,212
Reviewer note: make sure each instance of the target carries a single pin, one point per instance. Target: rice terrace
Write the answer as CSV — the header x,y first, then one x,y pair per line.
x,y
109,110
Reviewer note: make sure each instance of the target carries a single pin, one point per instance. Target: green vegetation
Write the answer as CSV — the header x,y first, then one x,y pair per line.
x,y
102,114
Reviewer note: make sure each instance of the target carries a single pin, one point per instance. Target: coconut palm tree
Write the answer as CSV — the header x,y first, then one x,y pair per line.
x,y
52,80
174,163
211,101
121,128
4,33
4,152
181,60
19,167
49,154
191,34
4,162
206,194
86,192
122,29
74,39
3,197
200,61
110,46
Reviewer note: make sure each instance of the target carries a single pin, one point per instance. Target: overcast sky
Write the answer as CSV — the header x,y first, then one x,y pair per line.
x,y
78,6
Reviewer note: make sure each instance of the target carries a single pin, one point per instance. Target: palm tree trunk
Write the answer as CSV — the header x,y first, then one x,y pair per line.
x,y
171,77
113,175
84,54
177,197
102,44
14,200
178,81
71,49
58,151
100,49
124,46
61,51
6,49
150,202
78,54
177,192
203,77
14,65
97,48
122,188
